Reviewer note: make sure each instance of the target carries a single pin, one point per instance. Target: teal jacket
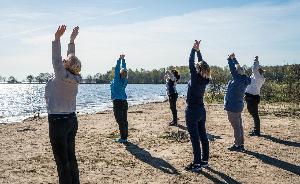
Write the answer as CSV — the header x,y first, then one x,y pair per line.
x,y
119,84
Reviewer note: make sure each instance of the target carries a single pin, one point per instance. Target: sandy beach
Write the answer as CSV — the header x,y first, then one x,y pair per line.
x,y
156,152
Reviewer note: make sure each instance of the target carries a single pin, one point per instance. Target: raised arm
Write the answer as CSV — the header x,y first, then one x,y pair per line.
x,y
117,69
192,61
57,63
123,61
199,56
192,57
255,67
71,45
232,62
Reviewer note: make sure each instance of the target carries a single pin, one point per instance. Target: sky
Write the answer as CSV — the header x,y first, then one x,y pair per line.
x,y
151,33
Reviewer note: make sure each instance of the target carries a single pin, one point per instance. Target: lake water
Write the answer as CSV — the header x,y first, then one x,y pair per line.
x,y
20,101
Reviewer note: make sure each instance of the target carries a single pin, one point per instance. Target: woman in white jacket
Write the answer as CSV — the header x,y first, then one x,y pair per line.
x,y
253,95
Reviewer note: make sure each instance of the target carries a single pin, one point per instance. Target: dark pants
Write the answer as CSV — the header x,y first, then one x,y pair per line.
x,y
62,132
252,106
120,112
195,120
172,101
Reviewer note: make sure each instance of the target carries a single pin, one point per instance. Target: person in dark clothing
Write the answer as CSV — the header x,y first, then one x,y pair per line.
x,y
252,95
119,97
195,112
171,81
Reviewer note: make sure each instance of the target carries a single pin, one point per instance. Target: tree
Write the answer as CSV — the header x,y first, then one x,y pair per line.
x,y
30,78
2,79
89,79
43,77
12,80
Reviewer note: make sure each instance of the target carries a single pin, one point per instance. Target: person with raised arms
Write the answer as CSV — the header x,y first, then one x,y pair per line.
x,y
233,101
119,97
60,96
172,77
253,95
195,113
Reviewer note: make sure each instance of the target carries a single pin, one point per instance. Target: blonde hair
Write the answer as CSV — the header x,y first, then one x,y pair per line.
x,y
203,69
124,71
75,64
241,70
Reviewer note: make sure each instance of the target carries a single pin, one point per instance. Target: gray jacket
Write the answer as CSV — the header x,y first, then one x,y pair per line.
x,y
61,91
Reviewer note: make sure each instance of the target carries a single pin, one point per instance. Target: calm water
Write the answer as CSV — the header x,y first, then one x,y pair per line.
x,y
20,101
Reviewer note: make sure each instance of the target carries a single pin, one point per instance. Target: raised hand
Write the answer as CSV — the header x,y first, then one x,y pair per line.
x,y
60,31
122,56
74,34
197,45
256,58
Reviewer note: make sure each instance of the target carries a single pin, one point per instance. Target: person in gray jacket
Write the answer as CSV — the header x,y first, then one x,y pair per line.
x,y
60,95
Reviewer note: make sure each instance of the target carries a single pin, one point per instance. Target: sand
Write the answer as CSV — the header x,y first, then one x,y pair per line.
x,y
156,153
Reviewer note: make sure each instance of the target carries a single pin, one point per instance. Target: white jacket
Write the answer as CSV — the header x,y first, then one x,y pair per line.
x,y
257,80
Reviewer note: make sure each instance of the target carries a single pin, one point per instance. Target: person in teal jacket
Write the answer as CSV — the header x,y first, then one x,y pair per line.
x,y
234,101
119,97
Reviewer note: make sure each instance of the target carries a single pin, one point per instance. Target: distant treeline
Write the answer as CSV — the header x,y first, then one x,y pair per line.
x,y
282,82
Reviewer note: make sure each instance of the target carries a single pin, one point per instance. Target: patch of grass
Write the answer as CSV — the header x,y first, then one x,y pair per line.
x,y
179,136
280,110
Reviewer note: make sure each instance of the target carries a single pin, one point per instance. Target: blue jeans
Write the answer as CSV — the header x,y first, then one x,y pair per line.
x,y
195,120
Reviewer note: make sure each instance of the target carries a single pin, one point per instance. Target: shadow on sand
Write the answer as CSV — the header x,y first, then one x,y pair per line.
x,y
225,177
209,136
146,157
280,141
275,162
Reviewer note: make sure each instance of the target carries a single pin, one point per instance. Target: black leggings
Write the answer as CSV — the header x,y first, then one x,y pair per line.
x,y
62,132
120,112
252,106
172,101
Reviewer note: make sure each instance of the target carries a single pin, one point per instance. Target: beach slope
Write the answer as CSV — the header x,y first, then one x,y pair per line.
x,y
156,152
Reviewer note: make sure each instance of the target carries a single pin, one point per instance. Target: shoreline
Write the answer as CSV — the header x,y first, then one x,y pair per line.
x,y
157,153
44,115
289,109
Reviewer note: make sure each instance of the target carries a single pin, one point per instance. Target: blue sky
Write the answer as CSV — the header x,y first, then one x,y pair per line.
x,y
152,33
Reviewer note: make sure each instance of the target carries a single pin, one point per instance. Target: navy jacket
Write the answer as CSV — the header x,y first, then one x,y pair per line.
x,y
171,87
197,83
119,84
236,87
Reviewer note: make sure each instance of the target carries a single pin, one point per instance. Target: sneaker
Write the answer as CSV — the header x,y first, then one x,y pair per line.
x,y
254,133
122,140
204,164
194,167
173,123
237,148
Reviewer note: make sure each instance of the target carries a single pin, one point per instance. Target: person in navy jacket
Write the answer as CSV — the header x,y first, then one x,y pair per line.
x,y
119,97
195,113
172,77
233,101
